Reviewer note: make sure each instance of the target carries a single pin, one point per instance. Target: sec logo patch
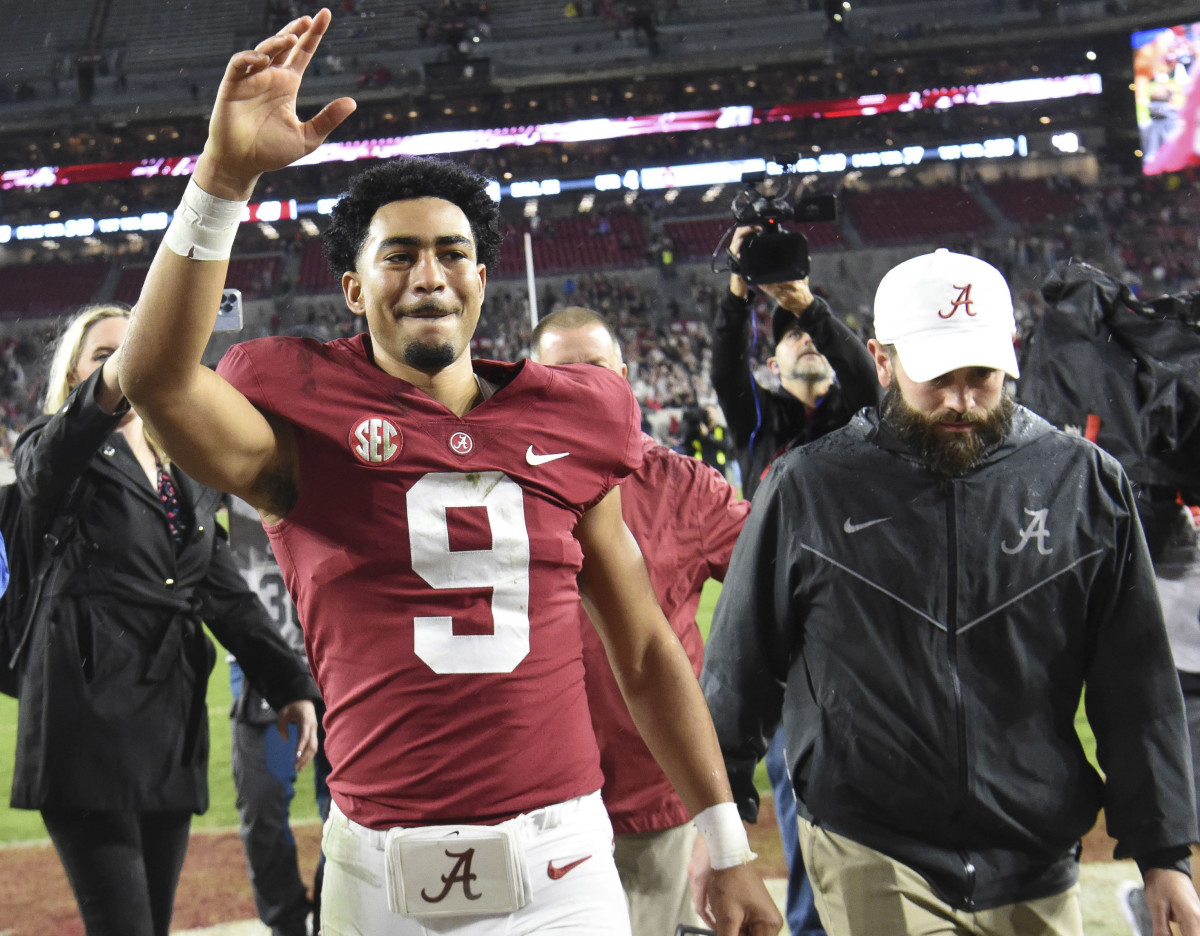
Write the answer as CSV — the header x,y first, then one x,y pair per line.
x,y
376,441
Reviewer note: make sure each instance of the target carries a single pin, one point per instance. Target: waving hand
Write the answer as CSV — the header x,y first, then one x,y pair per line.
x,y
254,126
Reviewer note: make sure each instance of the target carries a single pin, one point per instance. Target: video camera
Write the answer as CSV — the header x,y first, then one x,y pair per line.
x,y
774,255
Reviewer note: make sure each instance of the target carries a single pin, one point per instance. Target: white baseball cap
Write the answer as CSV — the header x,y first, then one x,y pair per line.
x,y
944,311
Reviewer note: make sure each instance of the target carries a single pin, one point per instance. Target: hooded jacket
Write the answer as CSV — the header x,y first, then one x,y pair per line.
x,y
926,640
762,421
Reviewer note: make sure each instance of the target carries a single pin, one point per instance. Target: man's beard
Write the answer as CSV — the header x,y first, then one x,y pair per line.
x,y
812,368
949,454
429,357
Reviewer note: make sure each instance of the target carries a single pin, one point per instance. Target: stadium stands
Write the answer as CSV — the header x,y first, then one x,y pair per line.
x,y
314,275
257,277
573,244
712,53
912,216
48,289
1030,200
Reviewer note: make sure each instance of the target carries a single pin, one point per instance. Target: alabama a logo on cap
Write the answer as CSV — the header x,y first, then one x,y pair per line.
x,y
962,301
375,440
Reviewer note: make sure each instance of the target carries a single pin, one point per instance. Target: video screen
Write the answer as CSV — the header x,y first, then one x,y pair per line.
x,y
1167,96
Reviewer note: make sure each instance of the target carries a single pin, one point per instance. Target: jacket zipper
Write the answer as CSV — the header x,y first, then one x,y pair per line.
x,y
955,681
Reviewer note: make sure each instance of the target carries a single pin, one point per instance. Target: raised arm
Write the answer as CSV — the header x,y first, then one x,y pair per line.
x,y
731,377
206,425
664,698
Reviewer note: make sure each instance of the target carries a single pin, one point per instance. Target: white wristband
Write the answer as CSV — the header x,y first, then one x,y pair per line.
x,y
721,828
204,226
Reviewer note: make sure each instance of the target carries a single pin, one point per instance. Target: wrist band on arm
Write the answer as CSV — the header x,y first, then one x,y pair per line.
x,y
204,226
721,828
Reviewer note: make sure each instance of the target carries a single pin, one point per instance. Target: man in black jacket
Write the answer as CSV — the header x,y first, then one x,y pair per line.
x,y
825,376
825,373
922,596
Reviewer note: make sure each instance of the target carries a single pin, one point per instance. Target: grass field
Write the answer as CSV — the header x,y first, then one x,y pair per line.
x,y
19,825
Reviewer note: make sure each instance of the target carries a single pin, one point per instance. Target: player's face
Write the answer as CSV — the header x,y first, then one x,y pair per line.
x,y
418,284
797,358
100,342
588,344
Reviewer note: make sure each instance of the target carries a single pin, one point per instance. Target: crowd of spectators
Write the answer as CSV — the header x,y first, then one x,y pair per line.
x,y
1145,231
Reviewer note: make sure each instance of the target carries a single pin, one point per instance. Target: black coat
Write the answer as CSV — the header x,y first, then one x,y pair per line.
x,y
112,703
926,641
766,422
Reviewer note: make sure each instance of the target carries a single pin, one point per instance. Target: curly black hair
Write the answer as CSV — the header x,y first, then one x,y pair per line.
x,y
401,179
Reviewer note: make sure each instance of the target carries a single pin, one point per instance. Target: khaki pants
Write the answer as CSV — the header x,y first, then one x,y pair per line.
x,y
653,870
860,892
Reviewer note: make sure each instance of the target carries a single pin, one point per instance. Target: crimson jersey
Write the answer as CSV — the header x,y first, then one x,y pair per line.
x,y
433,564
686,518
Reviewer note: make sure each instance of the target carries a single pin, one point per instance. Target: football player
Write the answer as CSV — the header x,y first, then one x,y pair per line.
x,y
431,515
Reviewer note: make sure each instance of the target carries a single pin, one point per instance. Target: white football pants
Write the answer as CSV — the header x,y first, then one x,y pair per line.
x,y
585,900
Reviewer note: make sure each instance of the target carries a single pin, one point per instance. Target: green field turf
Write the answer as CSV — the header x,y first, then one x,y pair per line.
x,y
18,825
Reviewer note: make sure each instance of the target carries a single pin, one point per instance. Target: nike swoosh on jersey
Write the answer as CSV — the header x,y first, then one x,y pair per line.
x,y
535,459
850,527
556,873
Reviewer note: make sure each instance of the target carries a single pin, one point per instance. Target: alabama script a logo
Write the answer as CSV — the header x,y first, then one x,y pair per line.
x,y
460,873
1035,531
962,301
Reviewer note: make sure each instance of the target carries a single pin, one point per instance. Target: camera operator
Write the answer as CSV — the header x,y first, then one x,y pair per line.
x,y
824,370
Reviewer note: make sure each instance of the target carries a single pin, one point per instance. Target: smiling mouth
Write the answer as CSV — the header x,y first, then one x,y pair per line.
x,y
427,311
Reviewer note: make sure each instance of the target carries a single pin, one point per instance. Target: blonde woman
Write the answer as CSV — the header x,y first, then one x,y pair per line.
x,y
112,743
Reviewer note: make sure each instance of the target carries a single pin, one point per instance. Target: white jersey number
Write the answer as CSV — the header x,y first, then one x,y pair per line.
x,y
504,569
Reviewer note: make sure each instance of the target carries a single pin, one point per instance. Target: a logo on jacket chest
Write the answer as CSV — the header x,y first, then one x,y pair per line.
x,y
376,440
1035,531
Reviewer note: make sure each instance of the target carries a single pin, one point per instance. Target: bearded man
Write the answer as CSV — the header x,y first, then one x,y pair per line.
x,y
825,376
920,597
